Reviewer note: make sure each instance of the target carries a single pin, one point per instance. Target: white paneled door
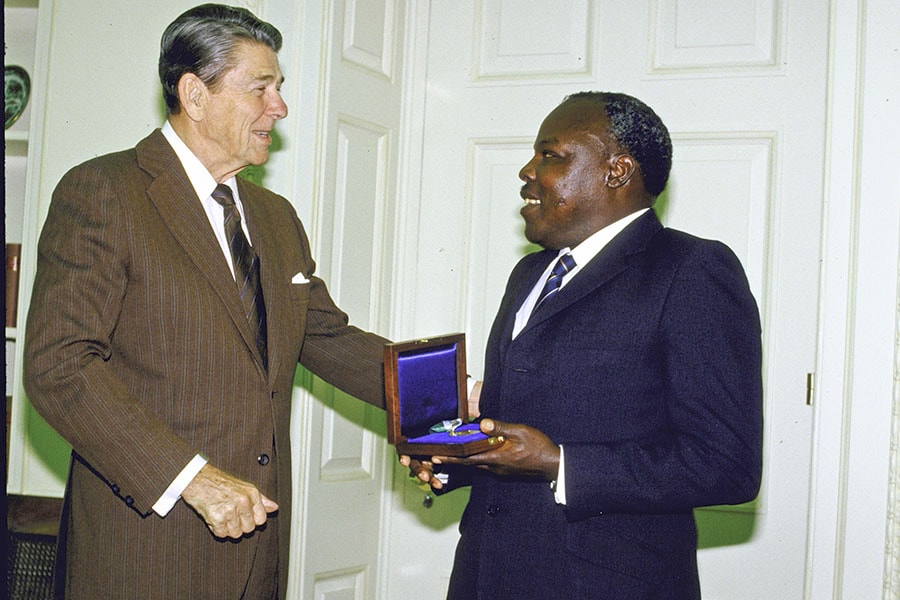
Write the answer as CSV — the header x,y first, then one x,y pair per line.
x,y
344,55
741,86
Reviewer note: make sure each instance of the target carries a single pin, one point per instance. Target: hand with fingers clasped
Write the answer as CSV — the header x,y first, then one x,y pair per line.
x,y
230,506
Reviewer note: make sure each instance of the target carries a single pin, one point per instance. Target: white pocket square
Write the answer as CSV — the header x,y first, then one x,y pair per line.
x,y
299,278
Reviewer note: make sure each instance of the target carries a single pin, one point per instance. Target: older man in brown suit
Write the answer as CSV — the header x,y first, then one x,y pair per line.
x,y
139,350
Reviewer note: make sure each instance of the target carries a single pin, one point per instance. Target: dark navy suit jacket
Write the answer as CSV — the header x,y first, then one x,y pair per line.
x,y
646,368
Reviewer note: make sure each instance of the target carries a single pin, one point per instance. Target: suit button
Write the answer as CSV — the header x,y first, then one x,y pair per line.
x,y
263,459
115,489
129,500
493,510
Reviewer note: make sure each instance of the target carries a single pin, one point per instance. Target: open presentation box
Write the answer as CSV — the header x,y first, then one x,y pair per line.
x,y
425,385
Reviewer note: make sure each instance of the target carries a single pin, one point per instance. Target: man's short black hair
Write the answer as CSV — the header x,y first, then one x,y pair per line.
x,y
639,131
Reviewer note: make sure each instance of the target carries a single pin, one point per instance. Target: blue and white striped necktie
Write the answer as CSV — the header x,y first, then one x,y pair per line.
x,y
565,264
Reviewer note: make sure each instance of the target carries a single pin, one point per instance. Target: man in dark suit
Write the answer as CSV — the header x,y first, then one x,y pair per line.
x,y
627,397
162,345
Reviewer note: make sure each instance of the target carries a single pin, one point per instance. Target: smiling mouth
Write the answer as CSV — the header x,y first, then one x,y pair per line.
x,y
528,197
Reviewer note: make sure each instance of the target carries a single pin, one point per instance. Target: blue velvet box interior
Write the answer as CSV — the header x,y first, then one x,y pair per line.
x,y
427,385
444,437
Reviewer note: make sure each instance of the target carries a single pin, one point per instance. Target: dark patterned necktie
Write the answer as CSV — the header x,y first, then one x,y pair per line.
x,y
246,268
565,264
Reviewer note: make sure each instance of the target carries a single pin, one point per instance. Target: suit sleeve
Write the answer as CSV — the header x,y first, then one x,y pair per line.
x,y
342,354
80,283
709,452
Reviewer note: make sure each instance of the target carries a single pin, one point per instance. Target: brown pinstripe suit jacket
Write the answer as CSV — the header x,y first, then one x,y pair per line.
x,y
138,354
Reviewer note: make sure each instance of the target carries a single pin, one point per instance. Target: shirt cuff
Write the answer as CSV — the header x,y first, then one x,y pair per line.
x,y
172,494
559,486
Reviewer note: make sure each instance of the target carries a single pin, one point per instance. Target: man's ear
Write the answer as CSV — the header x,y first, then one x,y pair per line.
x,y
621,169
192,93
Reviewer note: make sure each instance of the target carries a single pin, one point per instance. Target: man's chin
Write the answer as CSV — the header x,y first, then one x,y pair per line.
x,y
257,155
533,236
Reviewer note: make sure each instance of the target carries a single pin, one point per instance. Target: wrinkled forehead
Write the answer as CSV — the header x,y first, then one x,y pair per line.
x,y
256,61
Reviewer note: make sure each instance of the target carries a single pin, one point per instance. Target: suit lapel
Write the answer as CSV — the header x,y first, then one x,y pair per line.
x,y
177,203
522,281
609,262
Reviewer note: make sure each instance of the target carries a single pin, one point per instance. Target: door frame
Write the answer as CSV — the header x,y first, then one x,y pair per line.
x,y
855,492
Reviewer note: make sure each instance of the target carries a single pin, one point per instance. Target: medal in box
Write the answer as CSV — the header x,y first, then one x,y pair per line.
x,y
427,399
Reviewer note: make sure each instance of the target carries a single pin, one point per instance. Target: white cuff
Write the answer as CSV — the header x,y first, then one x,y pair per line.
x,y
559,486
173,492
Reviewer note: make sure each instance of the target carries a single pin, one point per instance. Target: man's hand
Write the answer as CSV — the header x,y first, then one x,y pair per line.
x,y
422,470
526,452
230,506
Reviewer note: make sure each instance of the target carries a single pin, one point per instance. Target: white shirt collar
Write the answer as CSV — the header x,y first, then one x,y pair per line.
x,y
200,178
591,247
